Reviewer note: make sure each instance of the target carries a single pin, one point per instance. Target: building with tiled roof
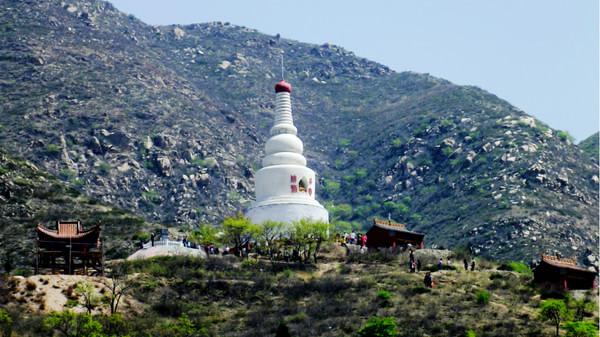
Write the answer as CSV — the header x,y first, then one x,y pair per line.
x,y
563,274
389,234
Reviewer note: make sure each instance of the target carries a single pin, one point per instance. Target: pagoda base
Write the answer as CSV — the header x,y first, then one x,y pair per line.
x,y
287,212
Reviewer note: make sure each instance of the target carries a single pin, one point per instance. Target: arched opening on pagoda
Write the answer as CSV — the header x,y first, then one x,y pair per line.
x,y
303,185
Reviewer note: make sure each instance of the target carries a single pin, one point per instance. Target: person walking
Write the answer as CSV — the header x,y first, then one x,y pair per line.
x,y
473,265
466,264
152,239
364,240
440,263
427,280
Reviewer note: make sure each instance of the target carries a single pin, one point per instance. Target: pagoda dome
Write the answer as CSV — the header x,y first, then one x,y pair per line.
x,y
283,86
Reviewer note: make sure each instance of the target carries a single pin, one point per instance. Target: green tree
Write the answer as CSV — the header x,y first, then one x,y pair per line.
x,y
342,211
308,235
396,208
555,311
379,327
581,329
6,323
115,325
268,233
360,173
182,327
71,324
205,235
581,308
91,299
331,187
238,231
340,226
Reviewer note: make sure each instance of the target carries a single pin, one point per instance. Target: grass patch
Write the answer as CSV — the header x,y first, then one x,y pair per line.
x,y
516,266
482,297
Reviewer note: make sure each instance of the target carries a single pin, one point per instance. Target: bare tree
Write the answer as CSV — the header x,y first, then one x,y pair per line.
x,y
118,285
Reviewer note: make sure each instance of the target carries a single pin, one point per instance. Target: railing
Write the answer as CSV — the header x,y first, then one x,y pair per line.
x,y
163,242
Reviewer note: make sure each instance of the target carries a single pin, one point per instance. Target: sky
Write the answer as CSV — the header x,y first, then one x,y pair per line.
x,y
539,55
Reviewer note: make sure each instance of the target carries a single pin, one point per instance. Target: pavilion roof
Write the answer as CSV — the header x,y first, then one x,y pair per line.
x,y
566,263
394,226
66,230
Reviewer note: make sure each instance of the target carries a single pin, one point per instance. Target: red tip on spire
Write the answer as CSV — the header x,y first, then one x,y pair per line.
x,y
283,86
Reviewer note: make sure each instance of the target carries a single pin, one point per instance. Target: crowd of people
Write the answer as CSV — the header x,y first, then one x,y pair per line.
x,y
353,238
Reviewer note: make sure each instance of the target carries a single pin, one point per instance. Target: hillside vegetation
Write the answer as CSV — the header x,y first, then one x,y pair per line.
x,y
169,123
230,297
590,146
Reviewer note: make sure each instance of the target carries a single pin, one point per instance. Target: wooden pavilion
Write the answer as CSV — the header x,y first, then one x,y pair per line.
x,y
388,234
69,249
563,274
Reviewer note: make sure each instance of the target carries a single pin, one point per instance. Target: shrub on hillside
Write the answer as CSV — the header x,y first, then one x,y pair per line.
x,y
581,329
420,290
483,297
73,324
52,150
565,136
6,323
115,325
379,327
169,303
384,297
516,266
382,256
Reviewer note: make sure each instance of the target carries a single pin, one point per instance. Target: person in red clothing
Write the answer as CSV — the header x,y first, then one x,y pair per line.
x,y
364,240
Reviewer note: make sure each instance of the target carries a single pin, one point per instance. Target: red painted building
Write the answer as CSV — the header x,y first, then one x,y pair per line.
x,y
563,274
386,234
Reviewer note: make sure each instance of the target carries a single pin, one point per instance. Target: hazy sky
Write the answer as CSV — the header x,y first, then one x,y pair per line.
x,y
540,55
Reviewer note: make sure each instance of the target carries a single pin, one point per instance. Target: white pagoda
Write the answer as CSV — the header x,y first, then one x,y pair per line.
x,y
285,187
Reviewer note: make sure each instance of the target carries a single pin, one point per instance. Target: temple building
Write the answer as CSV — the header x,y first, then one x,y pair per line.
x,y
285,187
388,234
69,249
558,273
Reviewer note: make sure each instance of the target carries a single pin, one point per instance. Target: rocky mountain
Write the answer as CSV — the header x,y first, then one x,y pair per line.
x,y
590,146
169,122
